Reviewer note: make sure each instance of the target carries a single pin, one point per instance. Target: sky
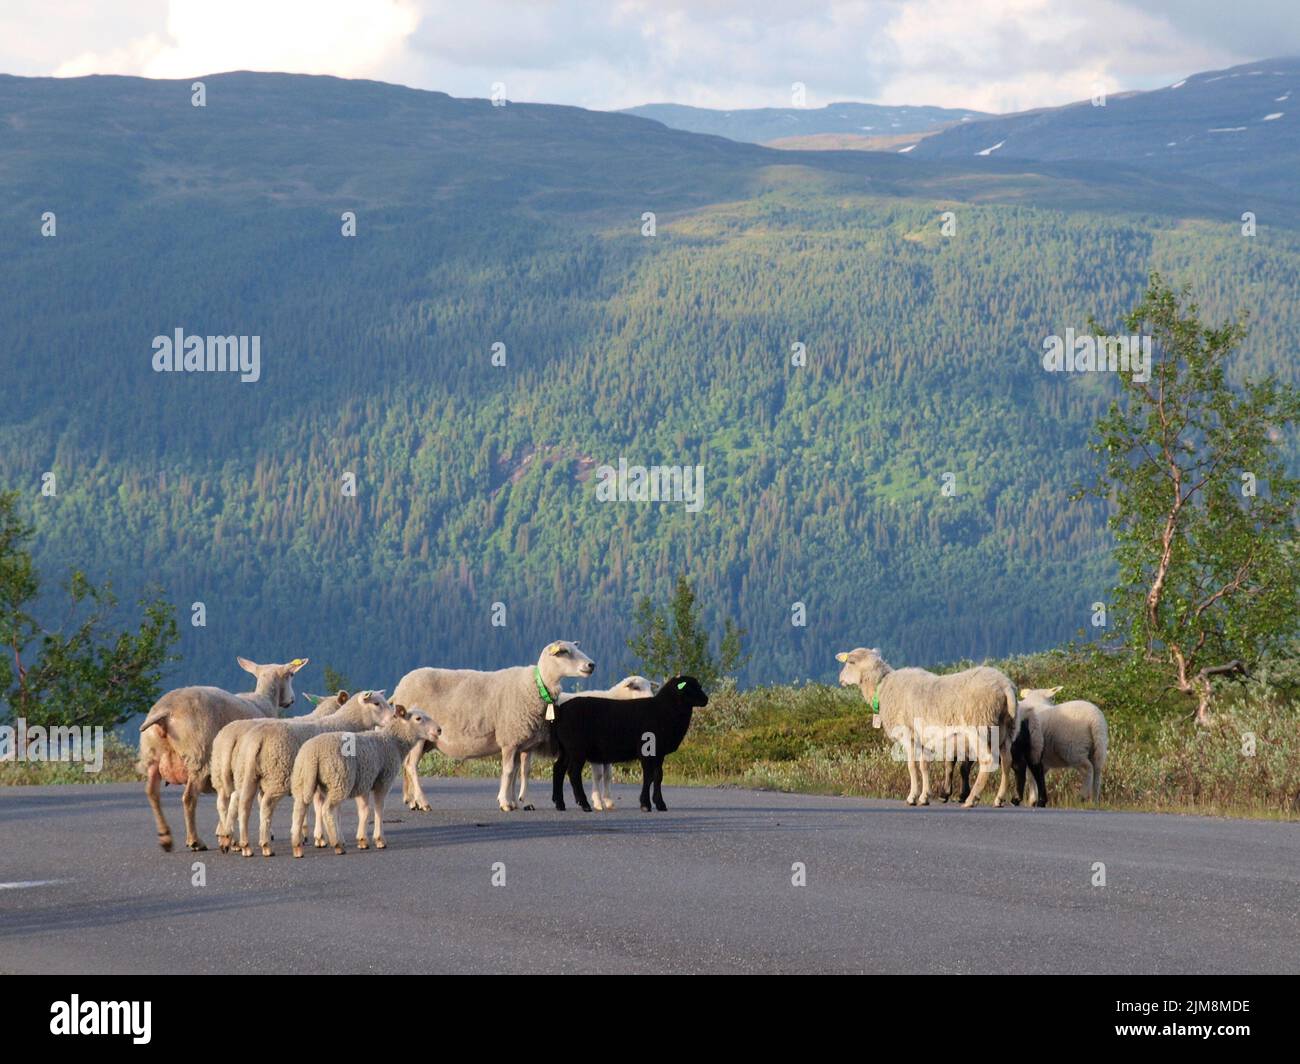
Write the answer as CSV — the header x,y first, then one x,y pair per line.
x,y
989,55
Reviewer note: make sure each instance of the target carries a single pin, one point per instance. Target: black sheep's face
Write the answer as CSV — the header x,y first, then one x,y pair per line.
x,y
687,689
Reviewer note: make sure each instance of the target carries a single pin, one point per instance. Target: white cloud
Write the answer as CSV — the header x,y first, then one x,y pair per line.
x,y
991,55
349,38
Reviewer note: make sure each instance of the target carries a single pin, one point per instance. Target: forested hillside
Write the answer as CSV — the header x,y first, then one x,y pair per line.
x,y
523,226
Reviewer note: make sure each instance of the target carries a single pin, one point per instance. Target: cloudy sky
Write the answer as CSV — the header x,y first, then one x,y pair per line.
x,y
993,55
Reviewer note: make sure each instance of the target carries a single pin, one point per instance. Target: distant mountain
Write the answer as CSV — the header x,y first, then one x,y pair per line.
x,y
522,226
1238,128
763,124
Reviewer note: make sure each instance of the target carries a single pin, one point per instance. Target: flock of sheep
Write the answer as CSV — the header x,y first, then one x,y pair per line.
x,y
354,746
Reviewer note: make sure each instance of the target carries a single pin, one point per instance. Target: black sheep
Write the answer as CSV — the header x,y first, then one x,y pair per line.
x,y
607,730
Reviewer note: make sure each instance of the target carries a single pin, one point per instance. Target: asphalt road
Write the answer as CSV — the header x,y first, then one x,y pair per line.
x,y
705,887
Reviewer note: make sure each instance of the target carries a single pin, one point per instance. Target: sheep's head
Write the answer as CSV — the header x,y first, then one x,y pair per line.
x,y
632,687
275,681
861,667
376,708
419,724
563,658
1039,694
685,689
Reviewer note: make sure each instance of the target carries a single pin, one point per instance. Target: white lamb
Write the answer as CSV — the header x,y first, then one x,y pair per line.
x,y
363,766
1069,735
928,715
486,714
264,759
223,760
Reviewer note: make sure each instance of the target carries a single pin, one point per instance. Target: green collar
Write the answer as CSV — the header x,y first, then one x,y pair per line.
x,y
541,687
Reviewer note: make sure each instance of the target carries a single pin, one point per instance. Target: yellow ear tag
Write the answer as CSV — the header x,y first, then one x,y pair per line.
x,y
550,712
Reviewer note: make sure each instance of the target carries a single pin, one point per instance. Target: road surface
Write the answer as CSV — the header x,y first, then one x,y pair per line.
x,y
706,887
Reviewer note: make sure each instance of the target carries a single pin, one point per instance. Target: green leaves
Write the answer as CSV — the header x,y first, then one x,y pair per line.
x,y
673,641
1204,512
83,673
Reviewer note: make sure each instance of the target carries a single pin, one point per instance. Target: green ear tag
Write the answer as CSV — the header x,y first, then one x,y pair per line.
x,y
681,686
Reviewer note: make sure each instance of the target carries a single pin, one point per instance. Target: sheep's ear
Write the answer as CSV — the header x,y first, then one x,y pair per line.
x,y
876,651
297,664
1056,691
842,656
342,696
552,648
248,666
1024,693
400,710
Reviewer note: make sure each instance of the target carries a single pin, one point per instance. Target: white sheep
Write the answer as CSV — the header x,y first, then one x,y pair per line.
x,y
486,714
341,765
178,732
264,759
601,775
223,759
1070,735
928,715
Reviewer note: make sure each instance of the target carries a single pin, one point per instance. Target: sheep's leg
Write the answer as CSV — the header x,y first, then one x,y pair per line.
x,y
363,814
659,785
318,804
923,765
647,776
412,792
153,789
377,806
1085,780
190,803
331,822
558,771
596,802
265,811
1019,769
575,781
525,759
915,787
1096,782
607,788
985,765
1004,776
299,825
509,757
1040,784
223,815
247,788
965,780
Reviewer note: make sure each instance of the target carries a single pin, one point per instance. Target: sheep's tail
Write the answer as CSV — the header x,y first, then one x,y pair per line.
x,y
158,715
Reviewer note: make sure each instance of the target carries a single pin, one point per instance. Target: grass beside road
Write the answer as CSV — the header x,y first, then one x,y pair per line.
x,y
816,738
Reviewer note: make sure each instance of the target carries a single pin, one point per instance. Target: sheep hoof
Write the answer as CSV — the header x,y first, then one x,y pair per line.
x,y
422,807
1015,801
165,841
339,849
645,807
267,851
559,807
319,843
297,851
1041,805
661,807
197,846
923,800
970,803
380,844
362,844
529,808
911,799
